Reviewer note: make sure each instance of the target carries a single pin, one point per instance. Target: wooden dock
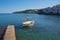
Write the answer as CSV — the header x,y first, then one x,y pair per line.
x,y
10,33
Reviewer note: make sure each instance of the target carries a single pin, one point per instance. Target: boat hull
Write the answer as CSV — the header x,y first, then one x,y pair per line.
x,y
28,24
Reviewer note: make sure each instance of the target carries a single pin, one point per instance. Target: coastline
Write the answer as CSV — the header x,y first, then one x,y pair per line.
x,y
39,13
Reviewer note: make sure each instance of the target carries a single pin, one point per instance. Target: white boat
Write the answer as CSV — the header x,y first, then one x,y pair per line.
x,y
28,23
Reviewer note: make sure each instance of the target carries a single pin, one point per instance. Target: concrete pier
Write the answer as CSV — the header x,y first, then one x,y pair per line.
x,y
10,33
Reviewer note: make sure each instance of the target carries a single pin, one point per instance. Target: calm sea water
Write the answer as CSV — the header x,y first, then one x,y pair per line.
x,y
47,27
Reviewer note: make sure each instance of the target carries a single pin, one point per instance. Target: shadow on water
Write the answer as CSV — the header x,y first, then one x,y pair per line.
x,y
21,27
2,33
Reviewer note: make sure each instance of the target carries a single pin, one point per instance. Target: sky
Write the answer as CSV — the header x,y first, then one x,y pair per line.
x,y
8,6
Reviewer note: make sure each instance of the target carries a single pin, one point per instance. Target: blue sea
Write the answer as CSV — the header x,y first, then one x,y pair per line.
x,y
46,27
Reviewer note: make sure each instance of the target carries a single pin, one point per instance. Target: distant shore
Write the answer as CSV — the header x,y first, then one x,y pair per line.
x,y
35,12
54,10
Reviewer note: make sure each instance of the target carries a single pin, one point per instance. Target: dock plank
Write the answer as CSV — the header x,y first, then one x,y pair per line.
x,y
10,33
